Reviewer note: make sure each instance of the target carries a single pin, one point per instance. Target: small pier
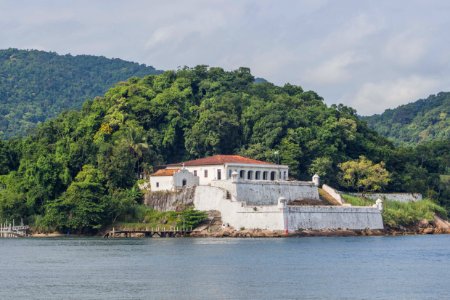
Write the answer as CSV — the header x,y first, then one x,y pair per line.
x,y
152,232
11,231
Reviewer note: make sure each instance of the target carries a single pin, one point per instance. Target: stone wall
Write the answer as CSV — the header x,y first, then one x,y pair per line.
x,y
241,215
168,200
237,214
401,197
267,192
333,193
333,217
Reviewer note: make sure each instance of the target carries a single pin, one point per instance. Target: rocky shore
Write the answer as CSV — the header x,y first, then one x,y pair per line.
x,y
216,230
437,226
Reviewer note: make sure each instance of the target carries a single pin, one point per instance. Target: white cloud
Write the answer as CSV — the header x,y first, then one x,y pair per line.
x,y
375,97
406,48
335,70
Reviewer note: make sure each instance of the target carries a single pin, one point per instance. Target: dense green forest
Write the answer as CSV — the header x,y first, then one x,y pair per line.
x,y
422,121
79,171
37,85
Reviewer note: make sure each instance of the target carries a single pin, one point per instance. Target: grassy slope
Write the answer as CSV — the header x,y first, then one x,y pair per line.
x,y
406,214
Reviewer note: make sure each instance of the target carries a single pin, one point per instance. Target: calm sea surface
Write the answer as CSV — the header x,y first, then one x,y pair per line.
x,y
411,267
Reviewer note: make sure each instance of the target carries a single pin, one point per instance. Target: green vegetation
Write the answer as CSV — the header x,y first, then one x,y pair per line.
x,y
422,121
37,85
357,201
146,218
364,175
396,214
79,171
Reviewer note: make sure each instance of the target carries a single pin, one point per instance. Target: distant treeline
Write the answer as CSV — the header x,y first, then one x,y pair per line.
x,y
421,121
37,85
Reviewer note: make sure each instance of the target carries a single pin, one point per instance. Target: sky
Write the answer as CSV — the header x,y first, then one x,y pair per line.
x,y
370,55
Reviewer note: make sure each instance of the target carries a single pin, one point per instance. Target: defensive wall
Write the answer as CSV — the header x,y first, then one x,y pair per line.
x,y
273,217
261,192
256,205
400,197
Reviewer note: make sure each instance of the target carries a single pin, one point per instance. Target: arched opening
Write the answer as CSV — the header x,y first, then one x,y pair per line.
x,y
184,182
250,175
265,175
272,175
258,175
242,174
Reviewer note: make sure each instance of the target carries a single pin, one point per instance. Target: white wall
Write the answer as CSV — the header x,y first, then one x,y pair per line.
x,y
238,214
258,192
401,197
334,217
165,183
333,193
212,173
281,171
184,174
227,168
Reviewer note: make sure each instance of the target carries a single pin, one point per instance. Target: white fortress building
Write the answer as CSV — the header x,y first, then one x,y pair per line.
x,y
254,194
203,171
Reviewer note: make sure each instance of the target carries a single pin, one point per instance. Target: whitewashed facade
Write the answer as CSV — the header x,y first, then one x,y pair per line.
x,y
220,167
172,180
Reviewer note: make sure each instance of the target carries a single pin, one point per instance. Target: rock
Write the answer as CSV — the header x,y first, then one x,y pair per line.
x,y
424,223
428,231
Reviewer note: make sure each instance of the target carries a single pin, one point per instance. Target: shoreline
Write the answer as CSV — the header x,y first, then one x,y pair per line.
x,y
259,233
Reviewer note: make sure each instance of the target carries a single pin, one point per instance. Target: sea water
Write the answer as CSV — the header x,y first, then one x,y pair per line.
x,y
407,267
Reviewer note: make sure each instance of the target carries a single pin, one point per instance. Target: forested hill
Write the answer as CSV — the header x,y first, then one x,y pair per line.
x,y
424,120
36,85
79,171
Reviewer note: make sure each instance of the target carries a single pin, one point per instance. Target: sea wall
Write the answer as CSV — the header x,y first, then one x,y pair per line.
x,y
333,217
241,215
262,192
401,197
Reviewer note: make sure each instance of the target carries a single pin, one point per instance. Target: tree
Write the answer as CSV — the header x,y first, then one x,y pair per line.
x,y
83,207
363,175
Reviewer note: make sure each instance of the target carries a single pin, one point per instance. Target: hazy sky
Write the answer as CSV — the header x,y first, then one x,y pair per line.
x,y
371,55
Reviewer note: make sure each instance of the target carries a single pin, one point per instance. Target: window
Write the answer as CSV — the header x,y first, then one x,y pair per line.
x,y
250,175
206,173
219,174
284,175
195,172
157,184
229,173
184,182
265,175
258,175
242,174
272,175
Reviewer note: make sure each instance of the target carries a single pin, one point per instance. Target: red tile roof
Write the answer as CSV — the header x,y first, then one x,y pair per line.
x,y
220,160
165,172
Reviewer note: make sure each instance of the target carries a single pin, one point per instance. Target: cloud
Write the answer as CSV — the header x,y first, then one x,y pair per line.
x,y
335,70
374,97
348,51
406,49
